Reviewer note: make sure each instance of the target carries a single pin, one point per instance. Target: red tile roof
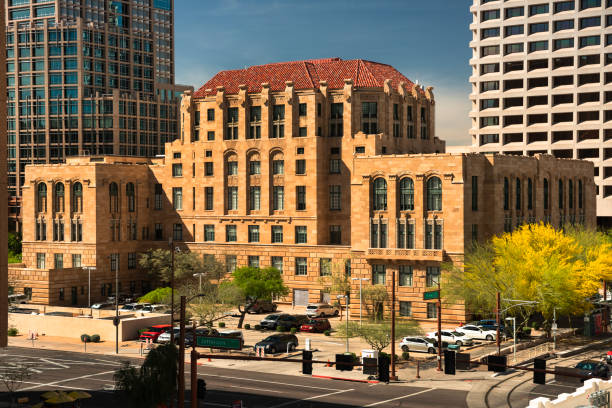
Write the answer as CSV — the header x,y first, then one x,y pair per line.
x,y
306,75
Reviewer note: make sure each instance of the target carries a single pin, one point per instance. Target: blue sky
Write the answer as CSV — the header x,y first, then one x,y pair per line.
x,y
427,40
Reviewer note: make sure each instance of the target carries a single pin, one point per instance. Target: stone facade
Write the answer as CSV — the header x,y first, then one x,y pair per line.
x,y
308,198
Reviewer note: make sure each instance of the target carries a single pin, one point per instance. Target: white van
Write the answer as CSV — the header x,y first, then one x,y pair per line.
x,y
19,298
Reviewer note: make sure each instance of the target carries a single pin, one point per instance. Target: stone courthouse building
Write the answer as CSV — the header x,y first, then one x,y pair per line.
x,y
312,167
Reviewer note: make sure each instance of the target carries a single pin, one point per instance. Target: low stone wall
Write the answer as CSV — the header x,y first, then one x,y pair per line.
x,y
578,398
73,327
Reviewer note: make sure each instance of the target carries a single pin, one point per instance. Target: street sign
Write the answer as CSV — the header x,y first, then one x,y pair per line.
x,y
554,326
224,343
434,294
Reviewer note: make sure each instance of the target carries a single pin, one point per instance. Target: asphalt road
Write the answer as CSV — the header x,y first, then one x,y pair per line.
x,y
56,370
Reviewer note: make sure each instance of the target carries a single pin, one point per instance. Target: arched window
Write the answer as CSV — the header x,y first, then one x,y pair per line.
x,y
529,194
545,194
41,202
59,197
560,194
131,197
77,197
406,194
580,194
570,192
379,197
506,194
113,191
434,194
518,194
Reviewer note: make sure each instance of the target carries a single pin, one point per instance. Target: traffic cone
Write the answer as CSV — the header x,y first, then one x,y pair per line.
x,y
328,364
209,360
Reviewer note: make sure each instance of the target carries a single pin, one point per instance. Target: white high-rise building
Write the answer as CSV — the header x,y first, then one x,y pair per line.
x,y
542,82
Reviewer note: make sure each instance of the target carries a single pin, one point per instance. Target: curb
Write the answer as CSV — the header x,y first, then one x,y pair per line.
x,y
345,379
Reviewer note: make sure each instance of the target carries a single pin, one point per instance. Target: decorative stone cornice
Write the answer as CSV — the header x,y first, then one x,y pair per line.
x,y
265,93
242,95
323,88
289,92
429,94
348,89
401,90
387,87
220,98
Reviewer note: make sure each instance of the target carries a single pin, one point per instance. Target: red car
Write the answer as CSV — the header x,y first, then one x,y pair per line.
x,y
316,326
153,332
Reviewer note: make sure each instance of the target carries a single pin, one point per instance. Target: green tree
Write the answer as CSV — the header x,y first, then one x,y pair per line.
x,y
256,284
158,263
211,300
159,295
555,268
378,335
373,298
154,383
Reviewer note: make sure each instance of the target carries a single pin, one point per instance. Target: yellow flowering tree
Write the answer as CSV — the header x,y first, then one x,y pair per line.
x,y
558,269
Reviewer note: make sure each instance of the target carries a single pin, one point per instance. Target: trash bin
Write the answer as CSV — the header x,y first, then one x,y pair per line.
x,y
369,354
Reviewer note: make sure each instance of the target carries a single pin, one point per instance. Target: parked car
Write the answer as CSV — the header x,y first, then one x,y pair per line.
x,y
490,324
164,338
593,368
132,307
422,344
18,298
262,306
103,305
153,332
321,310
287,321
476,332
231,333
154,308
315,326
452,337
278,343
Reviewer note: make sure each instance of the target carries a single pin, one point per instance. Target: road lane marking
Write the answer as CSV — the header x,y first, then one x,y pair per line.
x,y
54,383
395,399
311,398
58,386
255,389
47,360
269,382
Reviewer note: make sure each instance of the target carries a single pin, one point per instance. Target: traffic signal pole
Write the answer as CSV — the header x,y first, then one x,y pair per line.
x,y
194,370
439,327
181,362
393,376
497,339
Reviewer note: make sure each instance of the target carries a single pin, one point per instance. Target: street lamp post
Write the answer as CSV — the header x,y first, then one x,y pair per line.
x,y
361,280
347,320
89,269
199,275
170,244
513,335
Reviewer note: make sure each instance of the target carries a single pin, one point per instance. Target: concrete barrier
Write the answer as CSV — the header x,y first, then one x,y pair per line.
x,y
576,399
73,327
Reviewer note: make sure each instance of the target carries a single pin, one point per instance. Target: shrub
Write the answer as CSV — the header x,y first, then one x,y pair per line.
x,y
257,327
293,330
281,329
405,355
221,324
527,331
95,338
536,325
327,333
12,331
85,338
247,326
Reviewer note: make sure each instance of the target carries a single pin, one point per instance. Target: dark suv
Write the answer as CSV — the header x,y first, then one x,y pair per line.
x,y
262,306
285,320
278,343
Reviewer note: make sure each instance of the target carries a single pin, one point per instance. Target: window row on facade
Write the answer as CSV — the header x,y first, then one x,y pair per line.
x,y
530,101
570,195
543,8
554,119
533,64
554,26
583,135
545,82
406,196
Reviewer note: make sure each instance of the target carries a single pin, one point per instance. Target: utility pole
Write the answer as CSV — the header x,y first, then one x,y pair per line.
x,y
181,362
497,339
393,377
194,369
439,327
171,290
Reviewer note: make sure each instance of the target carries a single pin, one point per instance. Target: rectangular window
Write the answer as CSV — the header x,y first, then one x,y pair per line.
x,y
131,262
177,198
278,167
334,197
40,261
538,9
564,6
474,193
232,168
254,123
114,263
379,274
277,262
432,310
159,232
230,233
336,120
255,198
59,261
490,15
158,196
405,275
231,132
232,198
278,122
253,261
302,132
177,232
76,260
405,308
278,198
230,263
301,235
277,234
253,233
302,109
325,266
208,198
301,198
210,135
300,167
210,115
208,168
301,266
209,232
334,166
335,235
432,276
177,170
254,167
369,118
